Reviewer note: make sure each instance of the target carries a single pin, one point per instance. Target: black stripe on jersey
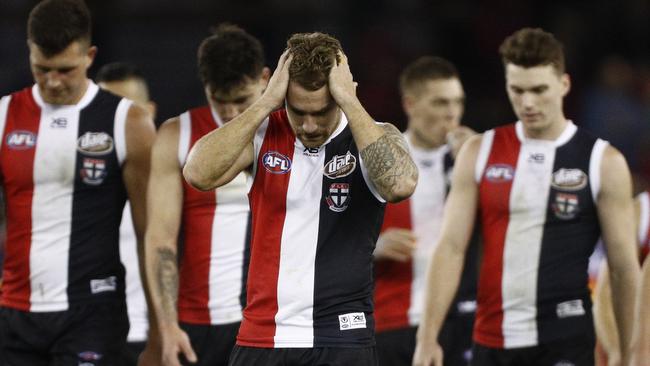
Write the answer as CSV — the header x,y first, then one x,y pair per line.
x,y
95,272
568,240
344,266
246,261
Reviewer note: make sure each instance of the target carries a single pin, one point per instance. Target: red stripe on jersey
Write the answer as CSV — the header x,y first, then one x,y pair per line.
x,y
645,244
17,163
494,201
394,279
266,235
198,216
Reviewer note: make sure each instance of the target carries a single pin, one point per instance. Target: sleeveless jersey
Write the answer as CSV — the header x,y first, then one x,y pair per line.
x,y
315,223
540,225
62,176
214,259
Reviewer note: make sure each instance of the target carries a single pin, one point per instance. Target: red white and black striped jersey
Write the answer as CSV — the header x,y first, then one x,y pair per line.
x,y
315,223
540,225
400,286
136,304
214,261
62,176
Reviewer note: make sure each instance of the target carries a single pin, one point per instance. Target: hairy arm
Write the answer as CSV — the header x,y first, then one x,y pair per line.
x,y
619,237
641,334
446,265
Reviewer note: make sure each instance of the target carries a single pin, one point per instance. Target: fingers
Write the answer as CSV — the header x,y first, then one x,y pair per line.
x,y
187,350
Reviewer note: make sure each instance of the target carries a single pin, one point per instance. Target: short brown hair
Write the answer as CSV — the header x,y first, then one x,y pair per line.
x,y
424,69
314,55
53,25
530,47
228,57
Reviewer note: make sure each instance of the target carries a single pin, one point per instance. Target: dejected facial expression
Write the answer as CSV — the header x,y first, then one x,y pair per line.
x,y
536,94
61,78
313,115
230,103
434,108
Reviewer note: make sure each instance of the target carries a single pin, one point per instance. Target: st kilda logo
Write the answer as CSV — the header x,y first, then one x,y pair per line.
x,y
276,163
340,166
339,197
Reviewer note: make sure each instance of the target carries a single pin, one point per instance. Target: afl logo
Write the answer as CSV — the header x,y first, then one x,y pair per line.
x,y
340,166
276,163
569,179
500,173
21,140
95,143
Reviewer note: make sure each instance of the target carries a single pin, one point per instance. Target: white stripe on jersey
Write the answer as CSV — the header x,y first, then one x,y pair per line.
x,y
119,129
184,137
227,254
483,154
258,141
54,173
594,167
4,108
135,302
295,293
427,206
644,217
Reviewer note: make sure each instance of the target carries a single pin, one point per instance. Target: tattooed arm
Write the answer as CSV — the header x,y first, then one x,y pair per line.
x,y
382,147
164,207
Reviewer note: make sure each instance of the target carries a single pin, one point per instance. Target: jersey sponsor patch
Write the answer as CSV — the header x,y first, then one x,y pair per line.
x,y
499,173
339,197
276,163
352,321
21,140
570,308
566,206
569,179
340,166
103,285
95,143
93,171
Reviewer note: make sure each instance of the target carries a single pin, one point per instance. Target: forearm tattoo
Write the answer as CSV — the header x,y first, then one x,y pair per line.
x,y
167,278
388,161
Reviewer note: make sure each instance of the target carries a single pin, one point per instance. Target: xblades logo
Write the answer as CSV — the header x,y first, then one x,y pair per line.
x,y
59,122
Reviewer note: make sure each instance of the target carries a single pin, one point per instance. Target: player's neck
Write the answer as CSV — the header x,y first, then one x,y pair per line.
x,y
420,143
551,132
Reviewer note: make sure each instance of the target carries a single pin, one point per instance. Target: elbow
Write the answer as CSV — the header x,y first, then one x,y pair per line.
x,y
196,178
403,190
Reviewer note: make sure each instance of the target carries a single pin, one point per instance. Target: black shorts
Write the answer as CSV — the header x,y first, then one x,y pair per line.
x,y
396,347
131,352
89,335
321,356
211,343
576,351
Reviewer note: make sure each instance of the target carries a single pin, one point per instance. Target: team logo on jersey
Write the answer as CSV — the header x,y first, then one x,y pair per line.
x,y
499,173
59,122
566,206
93,171
340,166
339,197
21,140
569,179
276,163
95,143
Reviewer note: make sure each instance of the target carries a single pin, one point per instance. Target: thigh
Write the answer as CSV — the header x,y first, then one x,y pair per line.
x,y
95,335
20,339
396,347
575,351
212,343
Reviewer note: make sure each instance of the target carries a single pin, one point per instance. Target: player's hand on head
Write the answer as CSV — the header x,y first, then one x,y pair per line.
x,y
176,344
395,244
341,83
276,90
428,355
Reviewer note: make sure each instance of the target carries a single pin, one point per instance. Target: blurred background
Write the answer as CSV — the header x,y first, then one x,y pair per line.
x,y
607,47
